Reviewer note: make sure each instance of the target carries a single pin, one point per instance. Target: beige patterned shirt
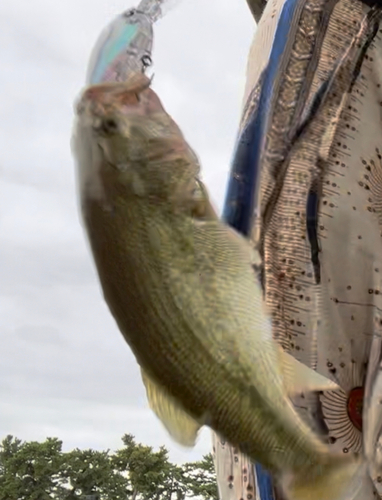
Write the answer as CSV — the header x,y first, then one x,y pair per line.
x,y
322,265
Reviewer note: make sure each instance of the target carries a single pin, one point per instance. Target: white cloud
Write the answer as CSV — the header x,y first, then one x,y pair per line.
x,y
65,370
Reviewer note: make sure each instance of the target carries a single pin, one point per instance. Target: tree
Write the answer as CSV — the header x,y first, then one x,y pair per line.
x,y
30,470
153,477
200,478
88,472
148,471
41,471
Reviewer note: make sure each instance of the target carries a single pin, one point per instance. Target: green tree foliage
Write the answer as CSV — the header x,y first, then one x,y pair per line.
x,y
42,471
200,478
30,470
90,472
148,470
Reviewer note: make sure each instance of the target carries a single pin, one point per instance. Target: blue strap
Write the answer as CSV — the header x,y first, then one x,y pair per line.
x,y
242,187
264,483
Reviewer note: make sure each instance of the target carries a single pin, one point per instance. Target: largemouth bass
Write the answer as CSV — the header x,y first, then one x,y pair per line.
x,y
181,287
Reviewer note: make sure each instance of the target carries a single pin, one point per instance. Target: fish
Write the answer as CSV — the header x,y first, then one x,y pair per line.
x,y
180,285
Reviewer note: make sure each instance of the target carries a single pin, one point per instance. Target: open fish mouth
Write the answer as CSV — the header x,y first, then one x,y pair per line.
x,y
107,97
103,106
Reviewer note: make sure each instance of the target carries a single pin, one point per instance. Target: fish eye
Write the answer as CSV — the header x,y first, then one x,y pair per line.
x,y
109,126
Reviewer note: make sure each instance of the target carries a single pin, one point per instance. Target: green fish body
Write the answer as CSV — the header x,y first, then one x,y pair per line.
x,y
181,287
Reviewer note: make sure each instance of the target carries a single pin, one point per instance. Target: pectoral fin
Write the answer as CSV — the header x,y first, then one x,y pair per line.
x,y
299,377
179,424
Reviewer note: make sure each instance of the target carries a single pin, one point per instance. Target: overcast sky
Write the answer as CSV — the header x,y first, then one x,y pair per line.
x,y
64,369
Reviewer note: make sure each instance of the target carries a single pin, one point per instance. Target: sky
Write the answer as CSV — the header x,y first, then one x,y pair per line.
x,y
65,370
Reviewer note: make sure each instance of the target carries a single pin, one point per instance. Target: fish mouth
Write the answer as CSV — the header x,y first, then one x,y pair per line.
x,y
104,106
118,92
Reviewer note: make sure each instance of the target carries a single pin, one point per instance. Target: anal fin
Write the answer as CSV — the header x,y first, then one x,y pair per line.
x,y
180,425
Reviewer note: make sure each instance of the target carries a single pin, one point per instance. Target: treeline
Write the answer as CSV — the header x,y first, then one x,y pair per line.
x,y
31,470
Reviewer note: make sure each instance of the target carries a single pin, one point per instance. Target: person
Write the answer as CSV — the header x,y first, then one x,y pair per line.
x,y
305,187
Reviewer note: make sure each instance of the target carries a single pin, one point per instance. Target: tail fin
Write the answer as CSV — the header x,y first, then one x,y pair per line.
x,y
339,480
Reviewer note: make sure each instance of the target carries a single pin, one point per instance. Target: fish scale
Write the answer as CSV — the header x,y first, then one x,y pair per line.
x,y
182,350
180,285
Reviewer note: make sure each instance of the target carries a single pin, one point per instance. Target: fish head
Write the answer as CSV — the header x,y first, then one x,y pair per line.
x,y
127,135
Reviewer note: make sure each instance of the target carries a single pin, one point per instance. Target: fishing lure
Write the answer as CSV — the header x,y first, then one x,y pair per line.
x,y
125,45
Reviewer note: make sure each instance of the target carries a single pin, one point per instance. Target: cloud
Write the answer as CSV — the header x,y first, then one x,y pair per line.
x,y
86,424
65,369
